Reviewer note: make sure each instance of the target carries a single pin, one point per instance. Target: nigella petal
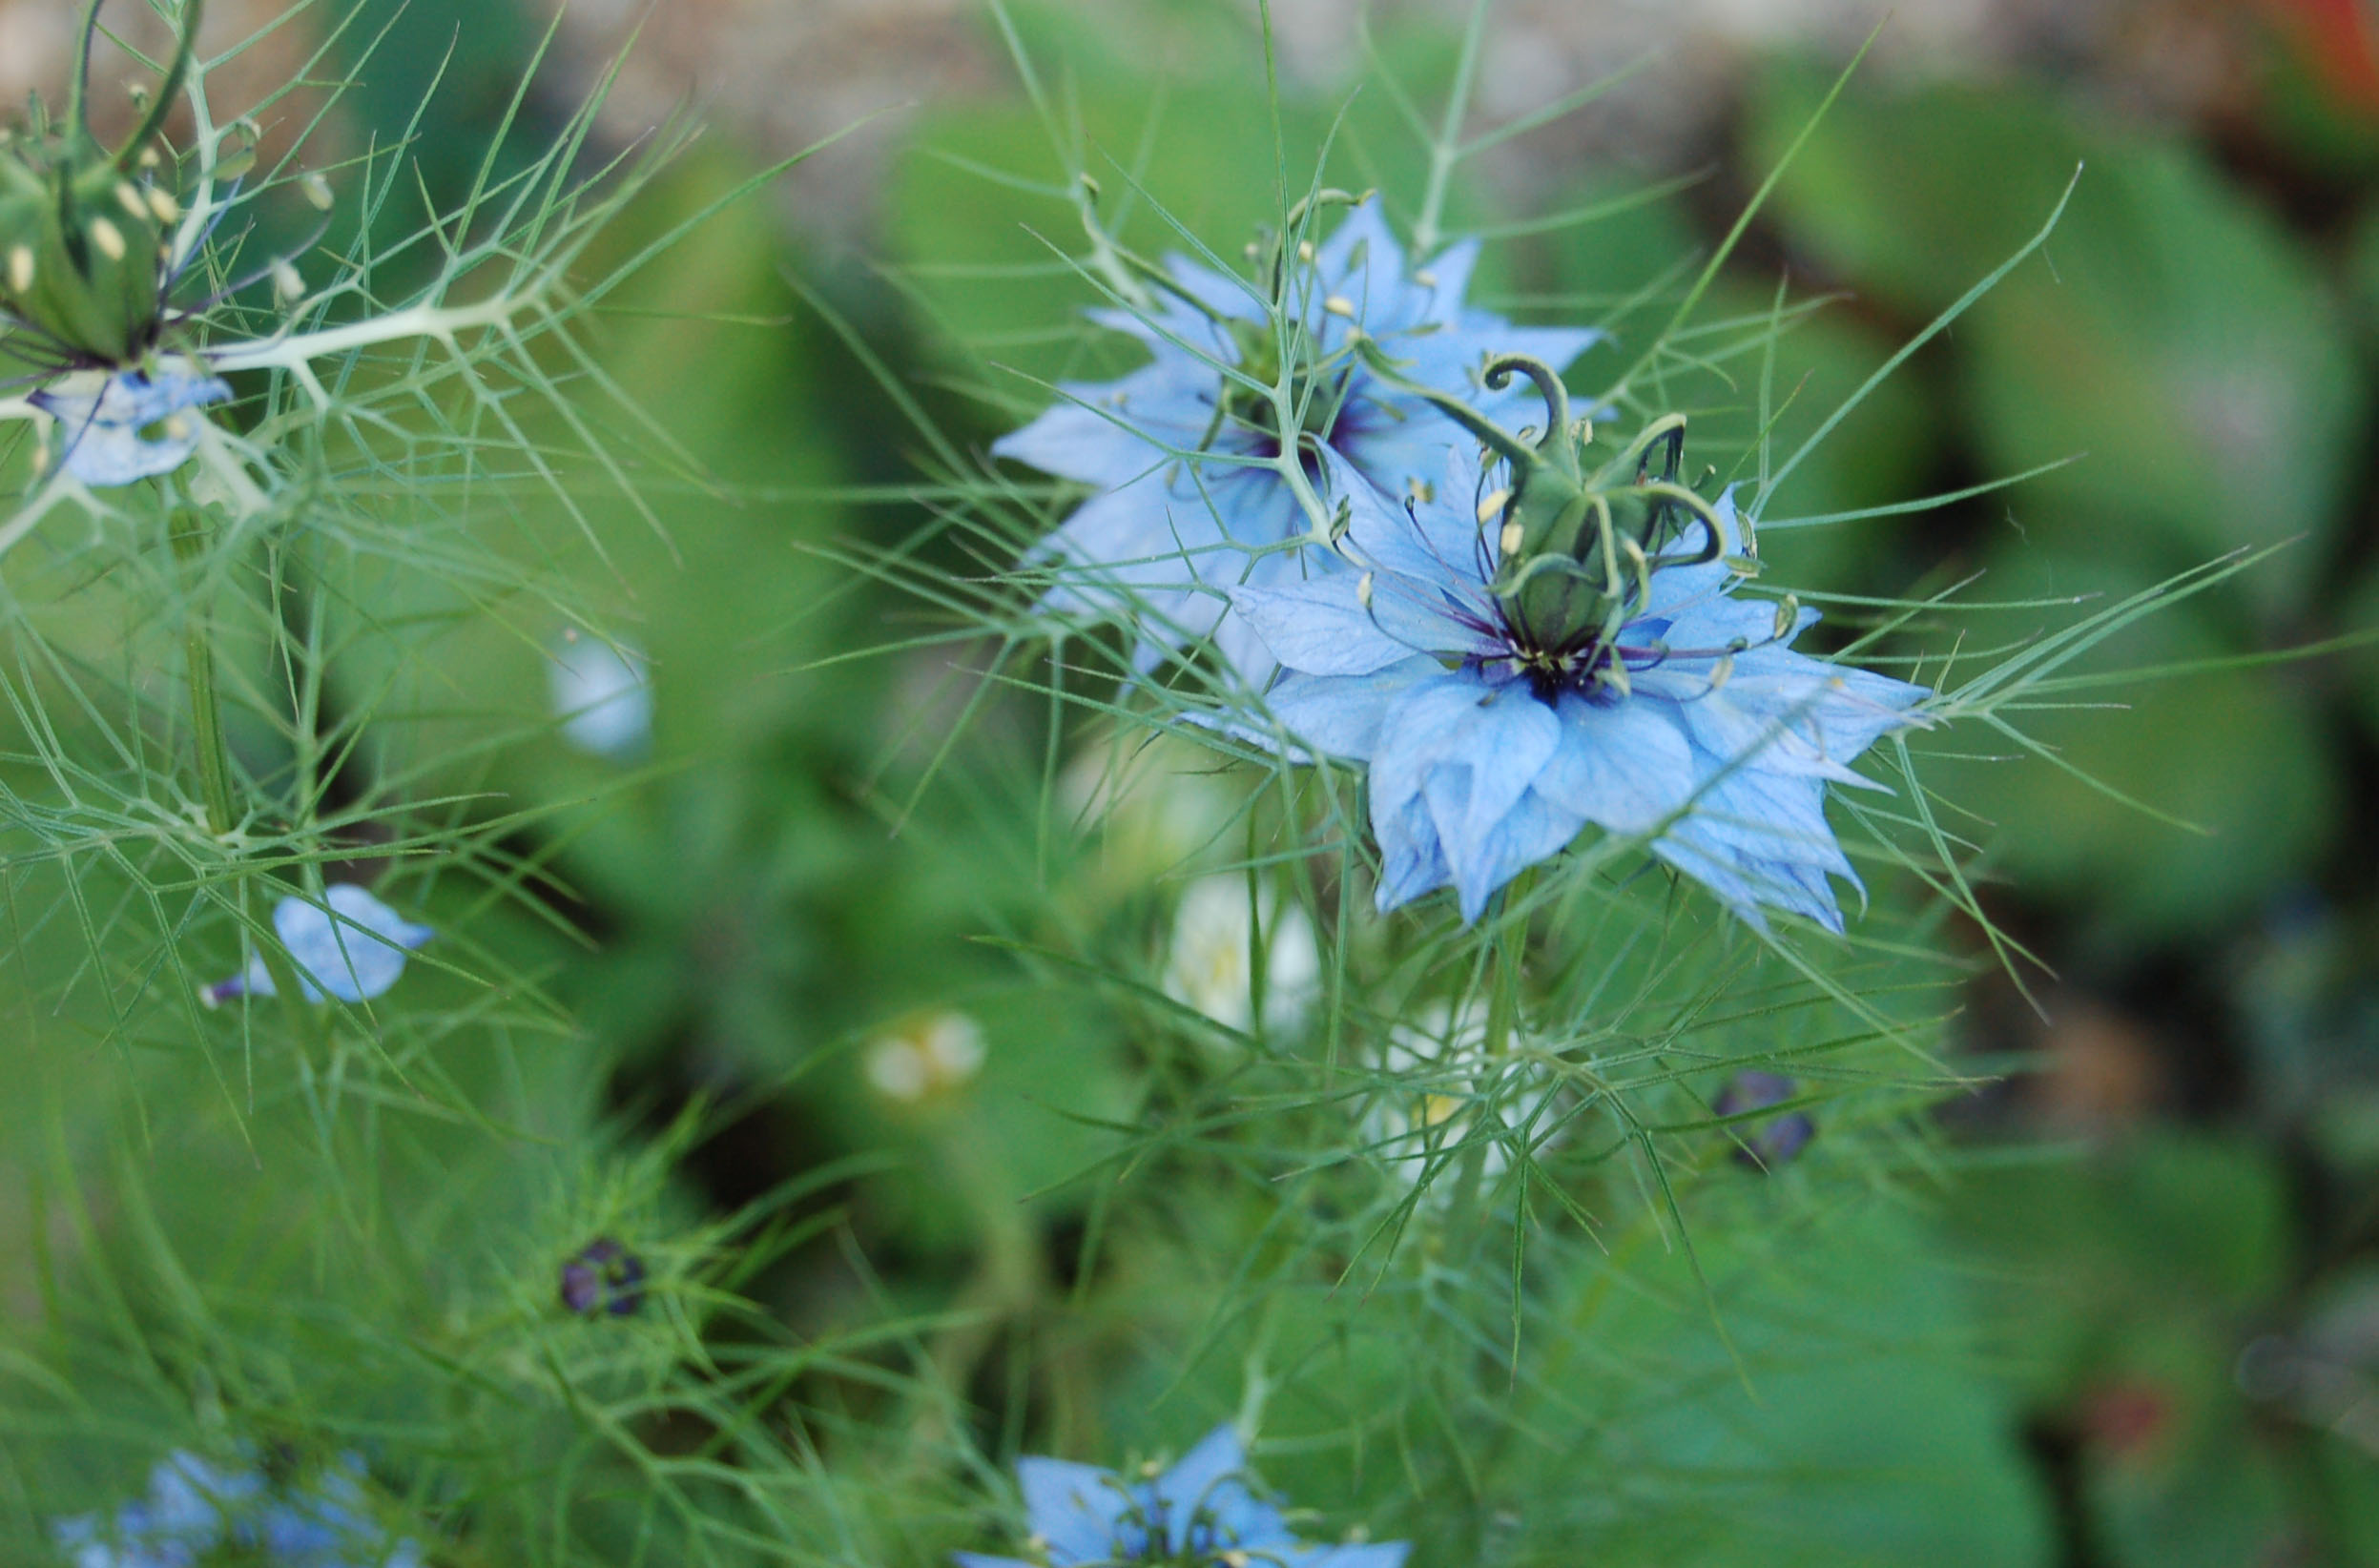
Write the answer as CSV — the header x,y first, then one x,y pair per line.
x,y
102,417
1626,764
1341,717
1533,829
1457,719
1484,768
1322,628
1412,861
354,949
1073,1507
1209,1480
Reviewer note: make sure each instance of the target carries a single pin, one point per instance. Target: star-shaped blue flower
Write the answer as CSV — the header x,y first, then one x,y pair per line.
x,y
1158,527
350,945
196,1511
1696,723
1200,1514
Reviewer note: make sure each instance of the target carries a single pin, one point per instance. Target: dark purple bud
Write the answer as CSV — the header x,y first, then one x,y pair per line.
x,y
605,1278
1769,1145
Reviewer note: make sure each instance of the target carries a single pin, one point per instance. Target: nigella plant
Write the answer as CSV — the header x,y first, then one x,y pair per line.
x,y
1552,641
1209,463
1199,1514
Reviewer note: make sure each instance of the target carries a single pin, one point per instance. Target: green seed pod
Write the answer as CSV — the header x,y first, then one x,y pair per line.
x,y
82,236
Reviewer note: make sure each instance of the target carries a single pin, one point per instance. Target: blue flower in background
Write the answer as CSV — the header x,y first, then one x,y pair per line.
x,y
119,426
199,1513
1158,527
1490,751
603,695
354,949
1197,1515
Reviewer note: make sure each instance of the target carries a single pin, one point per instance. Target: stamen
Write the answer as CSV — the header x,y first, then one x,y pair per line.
x,y
129,200
1491,504
167,209
317,191
21,268
108,238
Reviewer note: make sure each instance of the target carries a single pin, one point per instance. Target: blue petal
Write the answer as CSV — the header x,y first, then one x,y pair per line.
x,y
101,418
1469,749
1322,628
353,950
976,1560
1341,715
1624,765
1073,1507
1209,1483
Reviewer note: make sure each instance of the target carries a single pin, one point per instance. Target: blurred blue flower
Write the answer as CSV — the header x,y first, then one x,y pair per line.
x,y
200,1512
1158,527
602,695
354,948
1778,1140
1197,1515
102,417
604,1277
1695,723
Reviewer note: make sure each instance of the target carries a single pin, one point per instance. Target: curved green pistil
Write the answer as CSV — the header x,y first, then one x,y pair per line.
x,y
1575,541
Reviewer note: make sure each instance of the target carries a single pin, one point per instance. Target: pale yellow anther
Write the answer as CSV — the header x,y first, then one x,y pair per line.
x,y
1508,543
1338,304
1423,491
1787,615
127,198
1425,279
317,191
1721,671
177,427
1305,250
1492,503
108,238
1363,591
148,159
289,284
21,268
162,203
1235,1558
41,461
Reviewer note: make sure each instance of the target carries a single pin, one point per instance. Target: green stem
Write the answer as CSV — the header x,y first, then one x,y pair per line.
x,y
187,531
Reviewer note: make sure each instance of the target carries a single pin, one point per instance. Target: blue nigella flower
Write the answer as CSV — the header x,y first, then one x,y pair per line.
x,y
604,1277
1158,526
354,949
1490,747
119,426
1775,1142
200,1512
1200,1514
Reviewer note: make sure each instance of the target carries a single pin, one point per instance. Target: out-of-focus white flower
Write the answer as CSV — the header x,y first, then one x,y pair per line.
x,y
602,696
1154,805
1211,964
1447,1079
926,1057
